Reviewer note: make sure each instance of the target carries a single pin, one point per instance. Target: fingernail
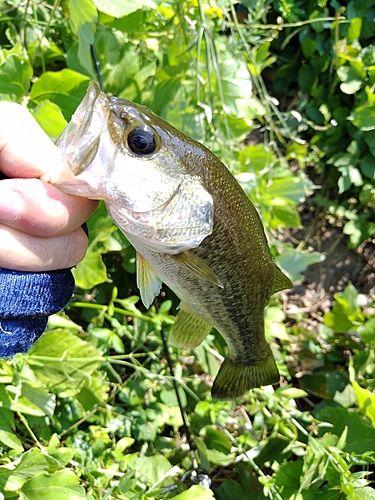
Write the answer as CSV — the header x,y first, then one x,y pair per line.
x,y
10,205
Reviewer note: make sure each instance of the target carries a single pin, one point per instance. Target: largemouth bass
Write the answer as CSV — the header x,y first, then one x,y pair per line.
x,y
192,225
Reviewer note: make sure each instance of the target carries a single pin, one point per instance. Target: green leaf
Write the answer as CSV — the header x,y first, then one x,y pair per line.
x,y
164,93
308,47
219,458
152,469
352,79
66,88
131,23
365,493
31,464
367,331
290,188
363,117
195,493
91,271
284,213
15,75
306,78
36,395
261,58
62,485
60,453
296,261
287,478
7,436
229,490
83,18
120,8
7,423
351,86
354,29
217,440
50,118
366,401
360,438
235,82
255,158
346,312
62,361
168,397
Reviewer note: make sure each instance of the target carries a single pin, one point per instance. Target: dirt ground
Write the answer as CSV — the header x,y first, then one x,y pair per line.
x,y
341,265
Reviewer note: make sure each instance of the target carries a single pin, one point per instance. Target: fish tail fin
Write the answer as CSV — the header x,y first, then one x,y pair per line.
x,y
235,378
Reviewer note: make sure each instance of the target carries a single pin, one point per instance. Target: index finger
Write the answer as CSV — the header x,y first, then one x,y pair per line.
x,y
25,149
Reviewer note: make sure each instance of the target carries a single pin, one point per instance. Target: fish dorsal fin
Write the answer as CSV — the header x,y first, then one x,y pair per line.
x,y
188,330
197,266
147,281
280,282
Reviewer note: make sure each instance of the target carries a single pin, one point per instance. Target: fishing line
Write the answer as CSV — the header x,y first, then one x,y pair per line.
x,y
97,67
175,386
195,475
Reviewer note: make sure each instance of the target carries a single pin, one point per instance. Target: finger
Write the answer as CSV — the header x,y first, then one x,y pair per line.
x,y
40,209
21,252
25,149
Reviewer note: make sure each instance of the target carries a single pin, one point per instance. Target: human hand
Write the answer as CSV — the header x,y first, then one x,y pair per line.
x,y
40,227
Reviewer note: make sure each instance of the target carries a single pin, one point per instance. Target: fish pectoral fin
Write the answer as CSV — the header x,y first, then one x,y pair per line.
x,y
147,281
280,282
197,266
188,330
236,378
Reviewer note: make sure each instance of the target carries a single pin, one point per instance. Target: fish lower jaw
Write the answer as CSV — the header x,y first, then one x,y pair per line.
x,y
78,188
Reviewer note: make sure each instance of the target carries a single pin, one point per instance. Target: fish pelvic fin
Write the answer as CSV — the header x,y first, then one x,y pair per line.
x,y
196,266
147,281
280,281
235,378
188,330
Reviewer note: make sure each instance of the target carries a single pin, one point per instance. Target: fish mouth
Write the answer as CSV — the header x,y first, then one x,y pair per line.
x,y
79,142
80,139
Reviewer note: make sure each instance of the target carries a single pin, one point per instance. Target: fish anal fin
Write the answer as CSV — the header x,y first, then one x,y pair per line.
x,y
197,266
188,330
147,281
236,378
280,282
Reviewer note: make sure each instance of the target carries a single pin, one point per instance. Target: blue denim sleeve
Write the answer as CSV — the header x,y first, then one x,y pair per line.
x,y
26,301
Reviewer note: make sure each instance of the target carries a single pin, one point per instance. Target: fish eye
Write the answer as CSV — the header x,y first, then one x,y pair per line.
x,y
142,140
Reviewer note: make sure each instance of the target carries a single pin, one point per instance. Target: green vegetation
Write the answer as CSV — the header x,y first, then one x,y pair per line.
x,y
90,412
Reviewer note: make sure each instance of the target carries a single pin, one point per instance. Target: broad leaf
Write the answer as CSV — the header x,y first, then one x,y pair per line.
x,y
15,74
62,485
50,118
66,88
83,18
195,493
120,8
62,361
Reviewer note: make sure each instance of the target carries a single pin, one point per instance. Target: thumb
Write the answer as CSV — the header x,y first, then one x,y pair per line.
x,y
25,149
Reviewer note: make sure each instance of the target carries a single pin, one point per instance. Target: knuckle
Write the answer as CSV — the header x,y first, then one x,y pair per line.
x,y
76,247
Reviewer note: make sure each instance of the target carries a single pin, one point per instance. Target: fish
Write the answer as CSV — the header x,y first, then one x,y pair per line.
x,y
190,222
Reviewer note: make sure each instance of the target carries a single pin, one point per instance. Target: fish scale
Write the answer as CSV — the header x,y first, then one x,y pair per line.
x,y
191,223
